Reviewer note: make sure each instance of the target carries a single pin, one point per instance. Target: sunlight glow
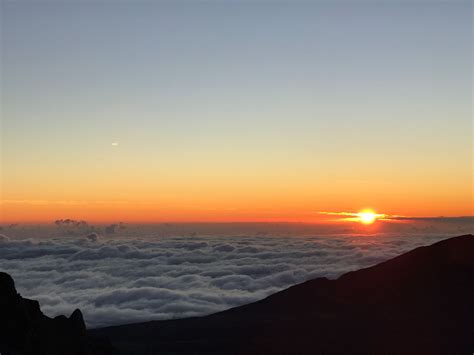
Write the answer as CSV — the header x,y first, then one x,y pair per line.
x,y
367,217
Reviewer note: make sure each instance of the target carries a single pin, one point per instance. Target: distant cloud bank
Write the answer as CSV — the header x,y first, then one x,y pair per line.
x,y
129,280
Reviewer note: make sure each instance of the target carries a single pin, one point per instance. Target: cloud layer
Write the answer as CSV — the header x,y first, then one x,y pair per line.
x,y
124,280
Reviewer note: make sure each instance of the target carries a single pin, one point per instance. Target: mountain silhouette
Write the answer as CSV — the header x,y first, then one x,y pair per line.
x,y
25,330
421,302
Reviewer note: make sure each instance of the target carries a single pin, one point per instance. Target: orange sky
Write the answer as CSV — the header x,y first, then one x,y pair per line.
x,y
199,208
222,191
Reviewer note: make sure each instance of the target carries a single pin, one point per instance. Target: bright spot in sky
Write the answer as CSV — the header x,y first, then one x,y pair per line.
x,y
115,144
367,217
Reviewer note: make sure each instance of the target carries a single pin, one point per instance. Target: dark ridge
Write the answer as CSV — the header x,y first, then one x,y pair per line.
x,y
25,330
421,302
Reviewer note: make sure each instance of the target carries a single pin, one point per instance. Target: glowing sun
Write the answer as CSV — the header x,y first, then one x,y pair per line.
x,y
367,217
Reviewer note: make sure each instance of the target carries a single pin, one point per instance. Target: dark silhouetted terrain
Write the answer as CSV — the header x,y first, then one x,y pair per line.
x,y
25,330
421,302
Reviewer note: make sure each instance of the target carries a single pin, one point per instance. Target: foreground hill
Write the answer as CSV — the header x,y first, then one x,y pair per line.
x,y
421,302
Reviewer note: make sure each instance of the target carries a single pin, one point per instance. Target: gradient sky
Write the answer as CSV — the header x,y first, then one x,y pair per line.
x,y
235,110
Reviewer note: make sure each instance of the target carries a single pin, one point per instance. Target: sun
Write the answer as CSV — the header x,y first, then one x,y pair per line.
x,y
367,217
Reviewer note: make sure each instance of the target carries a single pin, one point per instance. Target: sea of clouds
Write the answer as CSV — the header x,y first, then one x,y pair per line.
x,y
122,280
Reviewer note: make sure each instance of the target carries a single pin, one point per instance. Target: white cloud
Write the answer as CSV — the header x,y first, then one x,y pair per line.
x,y
129,280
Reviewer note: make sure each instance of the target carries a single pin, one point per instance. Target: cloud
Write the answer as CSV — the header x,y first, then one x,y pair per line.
x,y
137,279
93,237
469,220
458,220
111,229
367,216
71,223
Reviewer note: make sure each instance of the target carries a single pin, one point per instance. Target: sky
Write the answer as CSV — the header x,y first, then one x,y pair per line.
x,y
235,110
